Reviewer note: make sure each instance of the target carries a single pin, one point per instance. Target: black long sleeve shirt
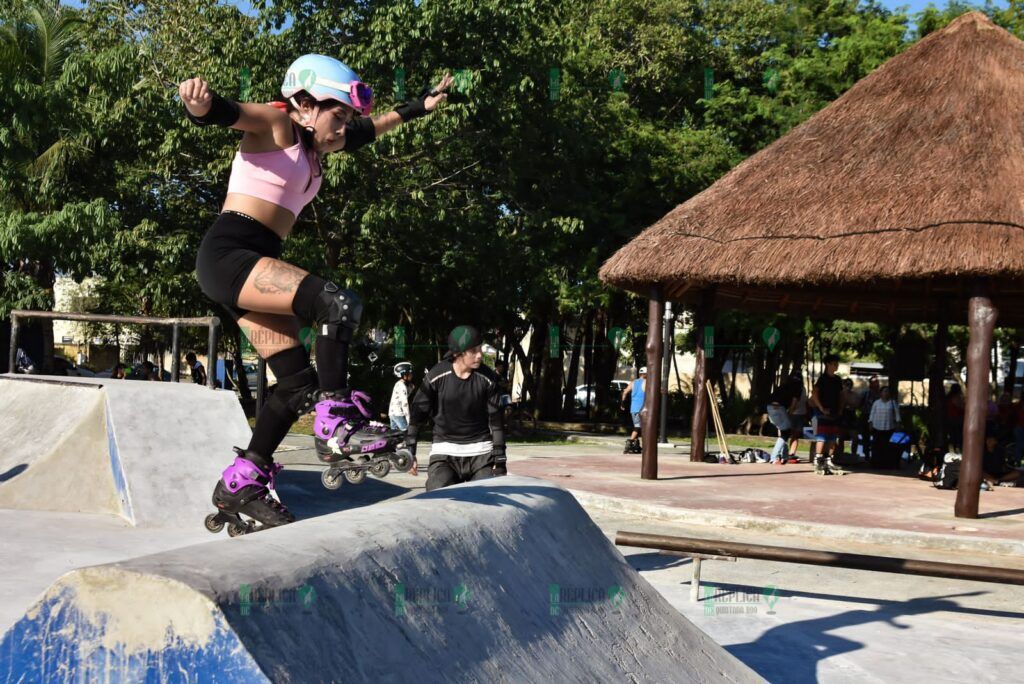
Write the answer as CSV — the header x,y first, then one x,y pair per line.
x,y
464,411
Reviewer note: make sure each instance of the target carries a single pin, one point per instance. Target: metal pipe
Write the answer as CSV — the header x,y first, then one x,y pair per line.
x,y
211,354
666,368
12,355
175,353
107,318
902,566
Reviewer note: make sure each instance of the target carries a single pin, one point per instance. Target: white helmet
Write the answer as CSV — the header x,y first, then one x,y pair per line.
x,y
402,367
642,371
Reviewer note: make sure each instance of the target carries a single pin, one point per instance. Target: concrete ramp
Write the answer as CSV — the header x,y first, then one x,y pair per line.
x,y
503,580
148,452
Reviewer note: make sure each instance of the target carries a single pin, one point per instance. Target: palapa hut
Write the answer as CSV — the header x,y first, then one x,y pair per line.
x,y
901,201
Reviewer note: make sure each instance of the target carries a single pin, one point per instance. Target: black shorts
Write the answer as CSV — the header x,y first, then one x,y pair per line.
x,y
443,471
228,253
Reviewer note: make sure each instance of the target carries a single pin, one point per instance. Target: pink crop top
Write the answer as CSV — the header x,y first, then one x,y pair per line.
x,y
284,177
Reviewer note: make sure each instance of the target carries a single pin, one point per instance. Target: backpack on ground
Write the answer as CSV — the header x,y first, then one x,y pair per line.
x,y
949,476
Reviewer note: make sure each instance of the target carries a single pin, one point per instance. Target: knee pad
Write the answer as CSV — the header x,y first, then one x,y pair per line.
x,y
296,395
339,312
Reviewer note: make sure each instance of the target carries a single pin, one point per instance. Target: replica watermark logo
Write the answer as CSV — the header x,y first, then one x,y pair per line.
x,y
307,78
250,597
269,338
560,598
432,598
739,602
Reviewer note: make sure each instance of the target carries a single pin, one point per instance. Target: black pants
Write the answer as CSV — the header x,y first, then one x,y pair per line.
x,y
883,453
443,471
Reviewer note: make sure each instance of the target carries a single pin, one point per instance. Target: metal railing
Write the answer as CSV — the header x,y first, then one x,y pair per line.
x,y
211,322
902,566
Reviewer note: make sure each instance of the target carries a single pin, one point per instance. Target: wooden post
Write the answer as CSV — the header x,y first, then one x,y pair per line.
x,y
652,392
699,424
981,318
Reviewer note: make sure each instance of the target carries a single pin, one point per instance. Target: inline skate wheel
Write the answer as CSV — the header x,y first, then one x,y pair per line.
x,y
235,530
381,468
403,460
331,479
212,524
355,476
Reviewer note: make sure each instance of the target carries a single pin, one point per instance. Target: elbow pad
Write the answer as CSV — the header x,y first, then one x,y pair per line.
x,y
359,132
223,112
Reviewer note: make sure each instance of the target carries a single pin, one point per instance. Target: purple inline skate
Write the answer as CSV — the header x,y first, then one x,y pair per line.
x,y
352,444
245,488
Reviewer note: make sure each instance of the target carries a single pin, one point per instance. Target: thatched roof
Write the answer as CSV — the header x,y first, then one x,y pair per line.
x,y
890,201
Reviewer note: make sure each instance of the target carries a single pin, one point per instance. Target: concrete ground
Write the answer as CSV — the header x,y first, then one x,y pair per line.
x,y
788,622
791,499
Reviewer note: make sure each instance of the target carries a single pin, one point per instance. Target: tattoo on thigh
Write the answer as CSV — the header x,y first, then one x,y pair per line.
x,y
278,277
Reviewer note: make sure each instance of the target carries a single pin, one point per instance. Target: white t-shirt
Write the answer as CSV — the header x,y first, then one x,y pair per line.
x,y
399,400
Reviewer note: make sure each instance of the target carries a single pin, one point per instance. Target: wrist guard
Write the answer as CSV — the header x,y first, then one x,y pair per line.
x,y
414,109
223,112
500,465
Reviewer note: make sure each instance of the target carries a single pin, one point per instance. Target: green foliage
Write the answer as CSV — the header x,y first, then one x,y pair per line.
x,y
498,209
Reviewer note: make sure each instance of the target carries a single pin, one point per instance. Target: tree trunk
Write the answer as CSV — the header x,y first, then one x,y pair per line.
x,y
569,405
588,366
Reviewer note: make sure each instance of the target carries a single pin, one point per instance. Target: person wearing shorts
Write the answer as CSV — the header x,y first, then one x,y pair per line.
x,y
826,400
781,404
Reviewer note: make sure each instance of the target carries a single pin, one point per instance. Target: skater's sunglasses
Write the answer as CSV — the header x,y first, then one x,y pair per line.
x,y
359,93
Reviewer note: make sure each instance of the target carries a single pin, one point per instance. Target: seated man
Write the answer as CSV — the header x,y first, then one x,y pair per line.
x,y
993,464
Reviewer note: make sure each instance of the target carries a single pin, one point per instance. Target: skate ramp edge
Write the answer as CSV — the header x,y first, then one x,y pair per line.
x,y
504,579
95,445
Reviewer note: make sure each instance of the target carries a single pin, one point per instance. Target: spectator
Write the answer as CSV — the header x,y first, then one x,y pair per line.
x,y
1018,433
196,368
993,463
150,371
1004,417
867,400
884,419
398,409
848,400
825,399
638,390
955,417
118,372
781,404
23,363
798,418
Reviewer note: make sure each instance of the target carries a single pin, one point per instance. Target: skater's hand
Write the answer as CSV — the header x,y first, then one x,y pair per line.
x,y
430,102
195,94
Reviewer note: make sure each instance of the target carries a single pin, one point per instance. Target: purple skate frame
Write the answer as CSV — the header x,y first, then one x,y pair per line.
x,y
245,473
330,413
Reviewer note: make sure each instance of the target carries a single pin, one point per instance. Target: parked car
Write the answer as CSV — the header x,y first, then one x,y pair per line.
x,y
583,391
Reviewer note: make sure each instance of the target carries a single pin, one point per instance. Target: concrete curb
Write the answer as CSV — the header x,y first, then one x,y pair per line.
x,y
896,538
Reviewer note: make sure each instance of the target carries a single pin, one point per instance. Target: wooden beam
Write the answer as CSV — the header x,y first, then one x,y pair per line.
x,y
652,386
981,317
699,422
